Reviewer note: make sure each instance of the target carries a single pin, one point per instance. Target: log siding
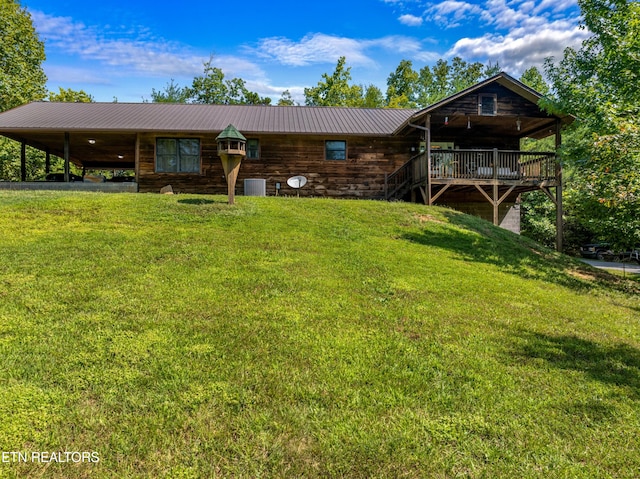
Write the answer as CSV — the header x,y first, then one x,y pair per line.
x,y
361,175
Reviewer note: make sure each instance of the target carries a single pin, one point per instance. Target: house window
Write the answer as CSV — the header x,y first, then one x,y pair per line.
x,y
488,105
335,150
177,155
253,149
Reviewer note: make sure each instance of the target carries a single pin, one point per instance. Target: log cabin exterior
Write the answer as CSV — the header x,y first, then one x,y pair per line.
x,y
463,151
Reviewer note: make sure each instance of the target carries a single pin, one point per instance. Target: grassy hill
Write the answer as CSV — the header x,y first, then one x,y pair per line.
x,y
179,337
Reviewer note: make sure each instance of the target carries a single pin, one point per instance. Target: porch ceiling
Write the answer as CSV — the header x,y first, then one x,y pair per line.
x,y
108,150
456,125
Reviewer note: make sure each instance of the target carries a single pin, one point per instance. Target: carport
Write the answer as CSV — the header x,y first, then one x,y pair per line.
x,y
76,135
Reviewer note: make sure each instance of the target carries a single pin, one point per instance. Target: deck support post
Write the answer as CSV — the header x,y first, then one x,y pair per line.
x,y
496,204
427,125
23,161
559,208
66,157
386,187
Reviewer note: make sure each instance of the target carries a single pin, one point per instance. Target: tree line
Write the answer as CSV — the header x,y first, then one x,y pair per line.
x,y
406,87
597,83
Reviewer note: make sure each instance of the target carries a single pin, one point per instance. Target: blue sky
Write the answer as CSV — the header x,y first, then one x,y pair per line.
x,y
123,49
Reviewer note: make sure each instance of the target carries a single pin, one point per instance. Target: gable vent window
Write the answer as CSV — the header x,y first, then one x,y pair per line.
x,y
488,105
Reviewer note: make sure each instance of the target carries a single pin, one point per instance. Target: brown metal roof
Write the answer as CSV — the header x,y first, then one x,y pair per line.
x,y
138,117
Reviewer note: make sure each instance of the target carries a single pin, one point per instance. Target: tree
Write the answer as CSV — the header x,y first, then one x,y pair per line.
x,y
22,78
172,93
598,84
534,79
286,99
373,97
537,211
212,88
240,95
401,86
464,75
334,89
443,80
70,96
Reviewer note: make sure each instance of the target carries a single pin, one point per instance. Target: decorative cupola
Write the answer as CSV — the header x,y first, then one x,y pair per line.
x,y
232,149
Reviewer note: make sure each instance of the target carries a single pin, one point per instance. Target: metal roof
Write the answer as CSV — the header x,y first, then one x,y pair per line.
x,y
165,117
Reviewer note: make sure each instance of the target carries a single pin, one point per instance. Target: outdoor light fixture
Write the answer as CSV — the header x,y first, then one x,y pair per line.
x,y
120,156
446,120
518,124
92,141
468,123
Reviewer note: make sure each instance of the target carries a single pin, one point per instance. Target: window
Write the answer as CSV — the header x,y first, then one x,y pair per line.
x,y
253,149
177,155
488,105
335,150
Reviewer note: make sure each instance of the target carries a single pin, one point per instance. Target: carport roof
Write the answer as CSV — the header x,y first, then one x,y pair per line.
x,y
166,117
103,135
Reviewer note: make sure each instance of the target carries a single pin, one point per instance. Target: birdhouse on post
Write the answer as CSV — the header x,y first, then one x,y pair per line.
x,y
232,148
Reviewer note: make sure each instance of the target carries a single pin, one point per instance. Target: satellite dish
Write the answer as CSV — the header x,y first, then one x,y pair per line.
x,y
297,181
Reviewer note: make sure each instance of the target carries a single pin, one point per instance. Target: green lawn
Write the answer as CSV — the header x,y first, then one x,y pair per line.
x,y
180,337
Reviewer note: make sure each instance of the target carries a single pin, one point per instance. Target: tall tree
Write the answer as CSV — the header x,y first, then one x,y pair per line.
x,y
22,78
172,93
401,86
212,88
598,83
533,78
286,99
335,89
464,75
444,79
373,97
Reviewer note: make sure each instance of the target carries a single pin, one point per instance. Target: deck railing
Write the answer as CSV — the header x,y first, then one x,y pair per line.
x,y
497,164
472,165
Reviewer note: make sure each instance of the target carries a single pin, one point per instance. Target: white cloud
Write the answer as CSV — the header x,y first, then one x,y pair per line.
x,y
127,52
312,49
520,48
410,20
450,12
320,48
63,35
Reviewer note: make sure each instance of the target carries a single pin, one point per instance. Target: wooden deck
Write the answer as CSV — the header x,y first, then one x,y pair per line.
x,y
507,170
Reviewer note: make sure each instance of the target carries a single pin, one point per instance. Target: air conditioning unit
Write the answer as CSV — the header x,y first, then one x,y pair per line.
x,y
255,187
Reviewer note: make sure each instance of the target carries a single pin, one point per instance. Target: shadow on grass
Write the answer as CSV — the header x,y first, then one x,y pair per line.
x,y
199,201
475,240
617,364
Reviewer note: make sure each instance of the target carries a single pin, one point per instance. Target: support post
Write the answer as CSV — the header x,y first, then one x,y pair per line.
x,y
428,155
559,208
66,156
386,187
47,161
496,204
23,161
